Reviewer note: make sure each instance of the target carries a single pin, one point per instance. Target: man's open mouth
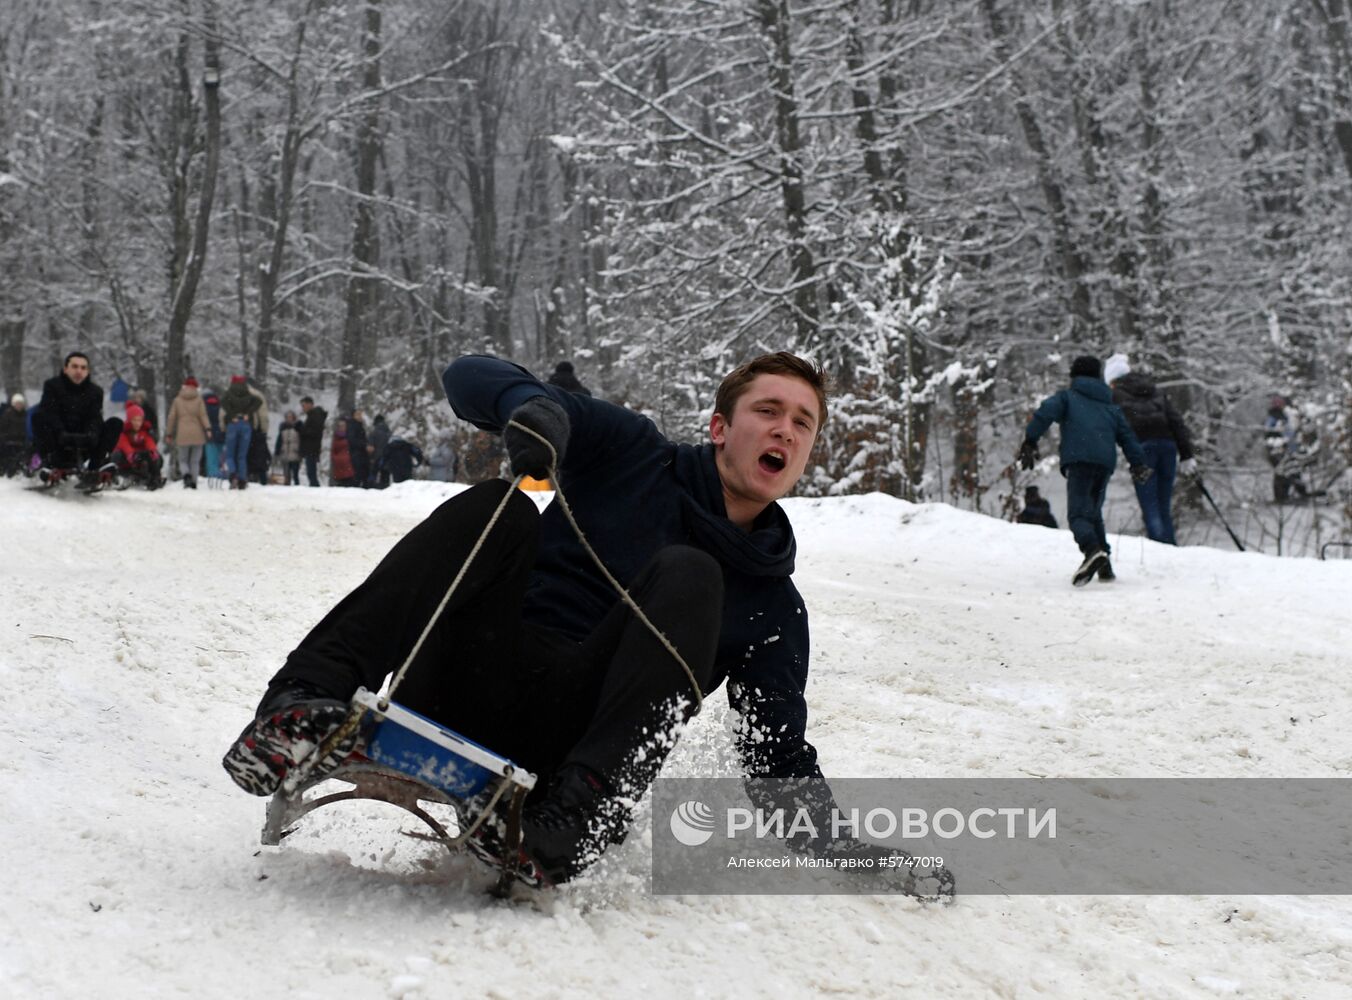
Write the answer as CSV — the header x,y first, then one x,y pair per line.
x,y
773,461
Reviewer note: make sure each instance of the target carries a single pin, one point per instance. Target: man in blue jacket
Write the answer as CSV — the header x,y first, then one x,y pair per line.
x,y
535,655
1092,428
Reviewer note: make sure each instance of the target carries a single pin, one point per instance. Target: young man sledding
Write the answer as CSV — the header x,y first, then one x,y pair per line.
x,y
535,655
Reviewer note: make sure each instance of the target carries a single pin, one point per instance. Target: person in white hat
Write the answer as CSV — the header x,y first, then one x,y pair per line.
x,y
14,446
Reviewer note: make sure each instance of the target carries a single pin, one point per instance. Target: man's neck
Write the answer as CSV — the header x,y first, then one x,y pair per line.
x,y
742,512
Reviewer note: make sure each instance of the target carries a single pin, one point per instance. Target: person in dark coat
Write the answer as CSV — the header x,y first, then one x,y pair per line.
x,y
1037,509
398,461
311,438
1164,439
68,422
215,446
1092,428
535,656
14,446
375,447
565,378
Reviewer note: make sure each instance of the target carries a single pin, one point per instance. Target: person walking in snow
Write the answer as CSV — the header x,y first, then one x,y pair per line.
x,y
1092,429
260,458
341,467
188,428
1164,439
238,406
397,461
358,447
287,450
536,656
1288,454
375,449
215,445
312,437
14,445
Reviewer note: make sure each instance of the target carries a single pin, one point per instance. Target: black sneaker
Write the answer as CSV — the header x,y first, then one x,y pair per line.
x,y
577,820
1105,572
292,722
562,835
1089,567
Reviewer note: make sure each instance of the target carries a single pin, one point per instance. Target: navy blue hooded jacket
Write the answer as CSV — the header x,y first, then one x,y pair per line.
x,y
1092,425
634,492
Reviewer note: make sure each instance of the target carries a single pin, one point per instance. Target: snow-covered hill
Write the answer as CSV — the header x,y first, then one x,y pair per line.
x,y
139,630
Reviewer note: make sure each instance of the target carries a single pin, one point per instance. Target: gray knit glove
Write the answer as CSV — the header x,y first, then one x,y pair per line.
x,y
527,454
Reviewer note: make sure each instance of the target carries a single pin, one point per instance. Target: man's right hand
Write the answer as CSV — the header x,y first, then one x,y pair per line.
x,y
1141,473
1028,454
528,454
892,870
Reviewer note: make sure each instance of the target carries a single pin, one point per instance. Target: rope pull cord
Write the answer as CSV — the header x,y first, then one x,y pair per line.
x,y
582,539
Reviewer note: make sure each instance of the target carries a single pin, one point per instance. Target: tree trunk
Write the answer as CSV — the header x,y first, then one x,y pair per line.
x,y
185,294
12,333
774,18
13,323
362,286
89,213
966,481
1071,260
282,191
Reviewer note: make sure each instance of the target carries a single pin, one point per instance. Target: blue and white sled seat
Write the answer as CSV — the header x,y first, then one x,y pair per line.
x,y
406,759
405,741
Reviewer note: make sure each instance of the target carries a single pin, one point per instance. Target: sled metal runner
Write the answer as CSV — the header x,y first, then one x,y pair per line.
x,y
406,760
84,481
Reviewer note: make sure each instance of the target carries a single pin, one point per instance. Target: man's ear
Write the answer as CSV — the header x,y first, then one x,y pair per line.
x,y
718,425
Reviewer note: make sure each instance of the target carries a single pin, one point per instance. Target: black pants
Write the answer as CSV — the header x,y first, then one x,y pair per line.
x,y
61,449
522,690
140,465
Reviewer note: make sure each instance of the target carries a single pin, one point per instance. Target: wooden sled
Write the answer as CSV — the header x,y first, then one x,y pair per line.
x,y
406,760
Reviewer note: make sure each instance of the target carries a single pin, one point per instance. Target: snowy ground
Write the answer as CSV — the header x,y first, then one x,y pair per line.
x,y
140,628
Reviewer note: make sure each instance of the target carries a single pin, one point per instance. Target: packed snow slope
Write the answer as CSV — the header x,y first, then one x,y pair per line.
x,y
140,628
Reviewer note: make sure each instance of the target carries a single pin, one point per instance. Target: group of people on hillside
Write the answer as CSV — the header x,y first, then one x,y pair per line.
x,y
1108,406
221,435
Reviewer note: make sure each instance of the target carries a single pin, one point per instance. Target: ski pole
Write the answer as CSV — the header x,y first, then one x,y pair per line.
x,y
1238,544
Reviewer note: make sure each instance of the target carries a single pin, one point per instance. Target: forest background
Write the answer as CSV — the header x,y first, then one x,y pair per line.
x,y
943,202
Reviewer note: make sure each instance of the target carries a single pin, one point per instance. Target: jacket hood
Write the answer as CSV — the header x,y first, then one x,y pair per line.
x,y
1136,384
767,550
189,392
1094,388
